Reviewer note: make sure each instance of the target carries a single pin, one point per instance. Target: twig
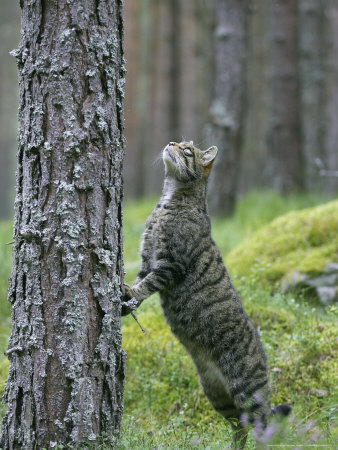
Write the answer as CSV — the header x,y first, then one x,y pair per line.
x,y
9,243
134,317
17,348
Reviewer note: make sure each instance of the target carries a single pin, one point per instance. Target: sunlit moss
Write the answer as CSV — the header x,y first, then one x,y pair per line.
x,y
303,241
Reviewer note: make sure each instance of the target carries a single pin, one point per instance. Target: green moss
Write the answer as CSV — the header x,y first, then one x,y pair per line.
x,y
5,265
303,241
4,364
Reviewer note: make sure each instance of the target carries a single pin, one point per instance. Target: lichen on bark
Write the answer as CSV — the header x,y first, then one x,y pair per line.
x,y
66,383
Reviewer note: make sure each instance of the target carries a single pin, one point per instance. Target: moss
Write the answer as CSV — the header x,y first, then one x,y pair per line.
x,y
303,241
5,265
4,365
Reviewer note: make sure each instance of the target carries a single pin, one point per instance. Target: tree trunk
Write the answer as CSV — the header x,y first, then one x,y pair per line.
x,y
174,88
143,98
284,162
66,376
227,108
132,38
331,97
9,35
204,17
254,153
311,32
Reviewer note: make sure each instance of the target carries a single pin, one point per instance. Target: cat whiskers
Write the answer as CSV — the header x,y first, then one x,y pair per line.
x,y
158,159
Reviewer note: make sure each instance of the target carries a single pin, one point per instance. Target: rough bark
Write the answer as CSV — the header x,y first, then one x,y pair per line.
x,y
312,78
66,375
226,113
284,163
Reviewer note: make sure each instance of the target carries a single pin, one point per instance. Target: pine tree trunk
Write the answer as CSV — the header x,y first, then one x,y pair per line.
x,y
204,15
9,36
175,18
254,153
227,109
131,41
66,377
311,45
284,163
330,159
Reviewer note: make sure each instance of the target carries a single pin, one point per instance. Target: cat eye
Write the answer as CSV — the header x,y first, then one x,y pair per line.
x,y
187,151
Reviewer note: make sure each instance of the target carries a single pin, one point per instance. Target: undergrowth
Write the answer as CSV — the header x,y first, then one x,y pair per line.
x,y
164,405
300,241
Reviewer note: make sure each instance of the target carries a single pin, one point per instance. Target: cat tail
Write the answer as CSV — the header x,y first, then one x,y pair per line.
x,y
281,410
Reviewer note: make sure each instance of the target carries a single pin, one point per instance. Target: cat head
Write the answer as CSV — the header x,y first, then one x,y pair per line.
x,y
187,163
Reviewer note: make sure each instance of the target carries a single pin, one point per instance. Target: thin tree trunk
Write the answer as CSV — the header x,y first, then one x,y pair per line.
x,y
66,376
188,79
204,17
143,99
9,35
255,151
284,164
132,120
175,70
330,159
311,45
227,109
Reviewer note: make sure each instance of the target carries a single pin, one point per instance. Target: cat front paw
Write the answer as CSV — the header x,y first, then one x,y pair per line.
x,y
129,306
127,293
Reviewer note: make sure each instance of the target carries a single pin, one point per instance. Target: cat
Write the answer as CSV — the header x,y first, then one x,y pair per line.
x,y
181,261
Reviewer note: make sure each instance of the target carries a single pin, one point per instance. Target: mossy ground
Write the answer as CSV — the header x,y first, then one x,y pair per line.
x,y
303,241
164,405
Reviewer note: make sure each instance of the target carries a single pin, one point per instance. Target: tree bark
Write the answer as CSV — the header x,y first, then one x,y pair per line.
x,y
284,165
226,113
66,377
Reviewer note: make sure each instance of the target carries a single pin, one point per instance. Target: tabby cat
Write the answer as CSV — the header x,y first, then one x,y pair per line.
x,y
181,261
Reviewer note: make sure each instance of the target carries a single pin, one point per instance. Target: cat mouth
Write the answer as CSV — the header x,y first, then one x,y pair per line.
x,y
169,159
167,154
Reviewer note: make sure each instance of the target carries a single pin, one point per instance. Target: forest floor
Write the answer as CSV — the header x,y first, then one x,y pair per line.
x,y
164,405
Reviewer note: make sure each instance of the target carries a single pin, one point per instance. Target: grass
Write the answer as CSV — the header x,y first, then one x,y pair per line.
x,y
164,405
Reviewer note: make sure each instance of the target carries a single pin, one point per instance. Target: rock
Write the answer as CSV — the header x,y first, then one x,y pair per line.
x,y
328,295
318,392
331,267
292,279
323,280
324,284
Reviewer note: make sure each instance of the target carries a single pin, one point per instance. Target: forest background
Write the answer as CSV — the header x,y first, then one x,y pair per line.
x,y
261,83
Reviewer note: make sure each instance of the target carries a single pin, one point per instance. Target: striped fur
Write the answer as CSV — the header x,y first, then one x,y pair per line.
x,y
182,262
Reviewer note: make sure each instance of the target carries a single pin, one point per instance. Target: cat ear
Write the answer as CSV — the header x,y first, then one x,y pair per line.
x,y
209,155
